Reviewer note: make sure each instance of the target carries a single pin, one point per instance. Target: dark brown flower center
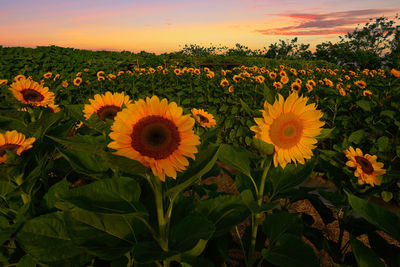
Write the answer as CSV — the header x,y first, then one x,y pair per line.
x,y
296,87
155,137
32,95
366,166
108,112
203,119
12,147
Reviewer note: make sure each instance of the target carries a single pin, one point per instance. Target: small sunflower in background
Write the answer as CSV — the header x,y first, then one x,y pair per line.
x,y
19,77
367,168
14,141
231,89
395,73
296,87
3,82
360,84
177,71
277,85
77,81
29,92
291,126
157,134
224,82
106,106
64,84
367,93
47,75
204,118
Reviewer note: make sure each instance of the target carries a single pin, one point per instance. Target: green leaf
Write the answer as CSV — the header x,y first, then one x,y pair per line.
x,y
251,203
204,162
284,180
277,224
325,133
381,218
383,143
85,162
189,230
46,239
53,195
235,157
365,256
356,136
291,251
125,164
263,147
268,94
41,126
112,196
108,236
26,261
83,142
225,212
364,105
246,108
389,113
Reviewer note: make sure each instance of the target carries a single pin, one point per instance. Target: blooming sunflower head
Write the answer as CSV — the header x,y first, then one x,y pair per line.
x,y
395,73
284,79
106,106
19,77
367,168
5,81
224,82
367,93
360,84
296,87
231,89
291,126
272,75
14,141
204,118
47,75
64,84
77,81
155,133
31,93
277,85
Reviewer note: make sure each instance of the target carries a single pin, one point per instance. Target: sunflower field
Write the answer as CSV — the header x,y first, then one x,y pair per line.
x,y
108,166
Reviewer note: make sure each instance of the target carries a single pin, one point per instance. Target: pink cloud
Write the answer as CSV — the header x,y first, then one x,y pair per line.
x,y
324,23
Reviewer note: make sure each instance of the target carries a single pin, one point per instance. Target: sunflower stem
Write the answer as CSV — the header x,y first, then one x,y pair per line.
x,y
255,218
162,222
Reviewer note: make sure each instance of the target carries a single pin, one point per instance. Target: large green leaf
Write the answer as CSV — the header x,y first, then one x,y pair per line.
x,y
285,179
378,216
83,142
85,162
46,239
277,224
365,256
108,236
236,157
225,212
290,250
117,195
188,231
124,164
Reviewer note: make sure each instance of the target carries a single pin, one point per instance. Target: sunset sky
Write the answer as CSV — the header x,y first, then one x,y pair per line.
x,y
165,26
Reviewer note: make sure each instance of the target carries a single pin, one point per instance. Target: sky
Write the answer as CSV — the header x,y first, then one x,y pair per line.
x,y
166,26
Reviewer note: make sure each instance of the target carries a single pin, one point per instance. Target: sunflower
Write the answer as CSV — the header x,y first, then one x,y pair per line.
x,y
299,81
342,92
309,87
155,133
100,73
272,75
260,79
120,72
197,71
177,71
296,87
210,74
14,141
236,78
151,70
277,85
291,126
57,76
282,73
284,79
85,70
230,89
395,73
159,68
53,108
64,84
77,81
311,82
106,106
32,93
204,118
206,70
367,93
5,81
79,74
19,77
367,168
47,75
224,82
360,84
100,78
